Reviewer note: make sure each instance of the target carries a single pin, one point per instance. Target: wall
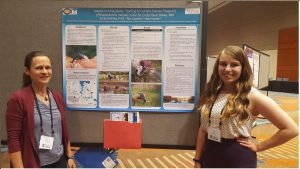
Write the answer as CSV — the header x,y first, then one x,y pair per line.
x,y
287,65
36,25
255,23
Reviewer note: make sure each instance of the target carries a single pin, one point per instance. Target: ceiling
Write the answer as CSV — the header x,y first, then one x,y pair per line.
x,y
214,5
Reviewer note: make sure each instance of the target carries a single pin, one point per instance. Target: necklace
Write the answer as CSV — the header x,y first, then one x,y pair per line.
x,y
43,97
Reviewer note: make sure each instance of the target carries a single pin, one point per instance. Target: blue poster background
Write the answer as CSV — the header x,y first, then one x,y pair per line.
x,y
132,17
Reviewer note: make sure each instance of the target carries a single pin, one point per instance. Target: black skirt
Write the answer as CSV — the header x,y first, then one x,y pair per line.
x,y
227,154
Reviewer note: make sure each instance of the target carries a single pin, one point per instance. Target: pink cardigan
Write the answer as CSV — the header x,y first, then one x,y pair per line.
x,y
20,125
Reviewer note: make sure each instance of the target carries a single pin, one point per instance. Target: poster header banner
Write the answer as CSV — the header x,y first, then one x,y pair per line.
x,y
132,15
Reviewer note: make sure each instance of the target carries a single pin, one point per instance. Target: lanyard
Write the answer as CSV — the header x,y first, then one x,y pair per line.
x,y
209,115
40,114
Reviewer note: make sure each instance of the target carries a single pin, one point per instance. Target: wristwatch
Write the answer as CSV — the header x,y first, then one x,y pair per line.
x,y
196,160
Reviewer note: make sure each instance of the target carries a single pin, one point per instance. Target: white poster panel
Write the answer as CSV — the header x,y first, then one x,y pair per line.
x,y
254,60
114,66
211,60
256,56
264,70
80,66
180,49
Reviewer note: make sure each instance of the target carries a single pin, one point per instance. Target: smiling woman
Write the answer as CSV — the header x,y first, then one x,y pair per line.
x,y
229,69
35,122
229,107
40,73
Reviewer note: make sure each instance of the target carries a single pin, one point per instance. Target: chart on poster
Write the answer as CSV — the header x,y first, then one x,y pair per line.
x,y
131,59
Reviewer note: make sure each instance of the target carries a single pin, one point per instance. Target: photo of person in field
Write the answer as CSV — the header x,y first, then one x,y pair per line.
x,y
146,71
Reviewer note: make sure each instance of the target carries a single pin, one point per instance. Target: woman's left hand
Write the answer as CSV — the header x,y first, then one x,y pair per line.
x,y
71,163
249,143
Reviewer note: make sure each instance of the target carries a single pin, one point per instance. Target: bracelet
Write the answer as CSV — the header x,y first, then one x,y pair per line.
x,y
196,160
70,157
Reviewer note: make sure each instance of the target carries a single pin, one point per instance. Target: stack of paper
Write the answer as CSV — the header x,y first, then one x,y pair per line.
x,y
132,117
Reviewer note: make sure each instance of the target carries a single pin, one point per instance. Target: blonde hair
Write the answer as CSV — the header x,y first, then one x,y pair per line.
x,y
238,101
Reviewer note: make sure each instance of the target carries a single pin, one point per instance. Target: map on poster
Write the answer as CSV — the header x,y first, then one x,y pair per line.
x,y
131,59
82,93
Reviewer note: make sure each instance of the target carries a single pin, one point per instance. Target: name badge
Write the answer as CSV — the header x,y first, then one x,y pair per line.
x,y
214,134
109,163
46,142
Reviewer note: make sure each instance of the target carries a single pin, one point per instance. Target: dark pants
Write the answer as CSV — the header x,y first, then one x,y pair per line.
x,y
61,163
228,154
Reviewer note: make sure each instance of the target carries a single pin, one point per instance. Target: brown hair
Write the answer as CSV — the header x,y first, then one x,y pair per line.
x,y
27,63
238,102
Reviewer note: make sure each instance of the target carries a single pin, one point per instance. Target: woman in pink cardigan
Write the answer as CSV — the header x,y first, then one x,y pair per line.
x,y
35,120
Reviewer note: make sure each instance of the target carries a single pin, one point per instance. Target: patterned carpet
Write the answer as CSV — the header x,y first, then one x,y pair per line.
x,y
284,156
155,158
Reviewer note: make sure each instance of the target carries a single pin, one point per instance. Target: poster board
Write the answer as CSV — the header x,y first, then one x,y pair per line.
x,y
253,57
260,64
131,59
264,70
210,66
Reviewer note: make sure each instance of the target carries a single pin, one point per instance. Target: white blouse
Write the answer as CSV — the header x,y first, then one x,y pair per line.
x,y
230,127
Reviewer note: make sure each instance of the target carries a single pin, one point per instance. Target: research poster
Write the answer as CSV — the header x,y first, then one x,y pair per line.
x,y
131,59
253,57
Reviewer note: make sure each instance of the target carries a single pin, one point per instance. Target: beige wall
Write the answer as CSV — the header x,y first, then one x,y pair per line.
x,y
253,23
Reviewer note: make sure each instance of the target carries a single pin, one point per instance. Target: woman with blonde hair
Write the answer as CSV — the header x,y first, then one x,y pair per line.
x,y
228,108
